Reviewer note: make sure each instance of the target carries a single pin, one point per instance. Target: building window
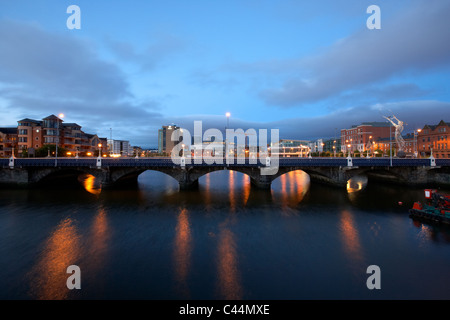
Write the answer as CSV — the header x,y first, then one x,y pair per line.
x,y
23,131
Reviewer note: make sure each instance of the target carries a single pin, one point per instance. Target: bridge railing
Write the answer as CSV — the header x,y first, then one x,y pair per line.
x,y
443,162
167,162
50,162
138,162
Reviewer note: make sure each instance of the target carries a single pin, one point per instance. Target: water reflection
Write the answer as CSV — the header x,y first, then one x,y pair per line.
x,y
90,184
48,277
356,184
351,241
238,189
228,269
290,188
98,245
182,252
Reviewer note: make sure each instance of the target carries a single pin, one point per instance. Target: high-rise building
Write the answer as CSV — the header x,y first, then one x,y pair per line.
x,y
165,143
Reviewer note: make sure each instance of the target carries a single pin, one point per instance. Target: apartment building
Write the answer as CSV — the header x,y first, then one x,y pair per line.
x,y
436,139
33,134
8,141
361,137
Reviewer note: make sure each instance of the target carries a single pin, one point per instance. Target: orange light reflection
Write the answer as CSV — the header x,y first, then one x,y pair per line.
x,y
48,276
182,252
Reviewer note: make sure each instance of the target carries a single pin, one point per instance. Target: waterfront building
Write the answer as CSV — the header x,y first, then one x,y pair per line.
x,y
119,148
361,137
293,148
317,145
332,146
165,143
436,139
34,134
30,134
8,141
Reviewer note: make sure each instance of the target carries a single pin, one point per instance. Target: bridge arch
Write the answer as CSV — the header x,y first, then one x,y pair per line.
x,y
129,176
59,176
198,174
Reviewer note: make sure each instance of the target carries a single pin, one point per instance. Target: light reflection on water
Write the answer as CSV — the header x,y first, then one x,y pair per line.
x,y
357,183
225,240
61,250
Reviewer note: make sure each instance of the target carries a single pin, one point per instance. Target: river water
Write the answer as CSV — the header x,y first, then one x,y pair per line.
x,y
226,240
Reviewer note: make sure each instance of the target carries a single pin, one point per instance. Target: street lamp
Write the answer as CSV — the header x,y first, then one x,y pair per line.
x,y
61,115
228,125
390,144
99,150
416,142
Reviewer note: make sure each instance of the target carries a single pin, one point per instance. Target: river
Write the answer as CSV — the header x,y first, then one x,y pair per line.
x,y
226,240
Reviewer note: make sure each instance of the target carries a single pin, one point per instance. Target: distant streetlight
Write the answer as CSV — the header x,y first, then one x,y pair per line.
x,y
228,125
228,115
99,149
416,142
61,115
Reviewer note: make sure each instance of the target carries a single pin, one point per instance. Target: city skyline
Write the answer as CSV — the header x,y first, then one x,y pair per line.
x,y
308,69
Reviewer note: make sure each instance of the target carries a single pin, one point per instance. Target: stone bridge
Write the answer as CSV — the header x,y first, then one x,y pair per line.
x,y
120,171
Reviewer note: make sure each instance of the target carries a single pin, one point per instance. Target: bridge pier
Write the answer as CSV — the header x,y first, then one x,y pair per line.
x,y
261,182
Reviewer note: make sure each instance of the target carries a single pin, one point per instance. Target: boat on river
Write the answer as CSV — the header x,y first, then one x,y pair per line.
x,y
435,209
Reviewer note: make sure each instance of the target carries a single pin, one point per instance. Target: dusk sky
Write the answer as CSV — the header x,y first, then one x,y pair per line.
x,y
306,68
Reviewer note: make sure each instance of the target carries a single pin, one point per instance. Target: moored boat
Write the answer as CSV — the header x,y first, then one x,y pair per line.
x,y
436,208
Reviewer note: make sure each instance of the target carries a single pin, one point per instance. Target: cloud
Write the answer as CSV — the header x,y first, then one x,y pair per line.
x,y
207,78
55,65
44,73
162,48
414,113
414,42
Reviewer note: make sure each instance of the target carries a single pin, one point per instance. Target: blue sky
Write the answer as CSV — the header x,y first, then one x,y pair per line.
x,y
306,68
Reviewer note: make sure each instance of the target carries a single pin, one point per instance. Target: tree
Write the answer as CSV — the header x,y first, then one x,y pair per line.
x,y
50,149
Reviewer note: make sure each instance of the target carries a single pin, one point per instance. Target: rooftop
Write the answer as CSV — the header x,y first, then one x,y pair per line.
x,y
9,130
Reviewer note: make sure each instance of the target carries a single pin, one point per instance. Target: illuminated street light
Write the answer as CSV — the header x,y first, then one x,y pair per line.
x,y
61,115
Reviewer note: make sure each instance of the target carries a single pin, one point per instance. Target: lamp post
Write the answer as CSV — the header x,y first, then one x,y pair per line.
x,y
99,150
61,115
226,140
334,147
390,143
416,142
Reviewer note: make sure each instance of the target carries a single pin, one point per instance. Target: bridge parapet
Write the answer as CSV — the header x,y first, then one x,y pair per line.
x,y
167,162
329,170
